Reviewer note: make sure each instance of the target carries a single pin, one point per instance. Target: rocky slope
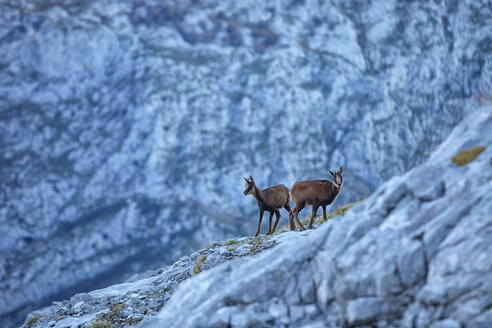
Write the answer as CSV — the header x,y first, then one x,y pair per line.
x,y
145,294
415,254
125,126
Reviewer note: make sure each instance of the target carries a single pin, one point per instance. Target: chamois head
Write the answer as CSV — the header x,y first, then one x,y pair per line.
x,y
337,177
250,185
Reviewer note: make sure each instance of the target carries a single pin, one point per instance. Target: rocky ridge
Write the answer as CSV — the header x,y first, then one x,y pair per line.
x,y
145,294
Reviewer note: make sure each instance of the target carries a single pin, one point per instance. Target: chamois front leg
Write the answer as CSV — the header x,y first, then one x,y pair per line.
x,y
277,220
259,223
324,213
270,223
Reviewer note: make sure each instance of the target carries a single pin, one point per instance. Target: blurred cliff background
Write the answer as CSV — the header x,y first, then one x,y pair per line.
x,y
126,126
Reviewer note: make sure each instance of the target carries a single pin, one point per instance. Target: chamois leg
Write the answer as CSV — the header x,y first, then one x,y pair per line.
x,y
295,213
259,223
324,213
277,220
270,223
313,213
292,226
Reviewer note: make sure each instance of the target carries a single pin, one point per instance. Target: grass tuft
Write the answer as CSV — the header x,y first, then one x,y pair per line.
x,y
102,324
33,320
209,246
467,156
198,266
340,211
230,242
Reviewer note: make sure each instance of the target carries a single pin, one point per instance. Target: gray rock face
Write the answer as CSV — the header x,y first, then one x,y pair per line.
x,y
407,257
125,126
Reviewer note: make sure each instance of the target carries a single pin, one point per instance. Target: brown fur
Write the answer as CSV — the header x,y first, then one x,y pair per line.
x,y
271,199
314,193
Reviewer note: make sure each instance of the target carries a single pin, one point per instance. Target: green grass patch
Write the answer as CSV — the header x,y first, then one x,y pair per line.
x,y
102,324
198,266
230,242
467,156
255,243
209,246
33,320
340,211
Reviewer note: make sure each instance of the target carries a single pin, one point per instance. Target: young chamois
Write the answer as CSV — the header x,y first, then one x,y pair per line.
x,y
270,199
316,193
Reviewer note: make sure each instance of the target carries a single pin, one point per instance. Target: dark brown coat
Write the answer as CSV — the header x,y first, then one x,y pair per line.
x,y
271,199
314,193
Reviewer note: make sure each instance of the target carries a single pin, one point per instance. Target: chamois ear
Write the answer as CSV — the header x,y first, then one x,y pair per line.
x,y
251,179
331,172
341,170
245,179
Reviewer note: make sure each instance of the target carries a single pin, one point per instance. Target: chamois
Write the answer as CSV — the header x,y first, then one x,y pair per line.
x,y
316,193
271,199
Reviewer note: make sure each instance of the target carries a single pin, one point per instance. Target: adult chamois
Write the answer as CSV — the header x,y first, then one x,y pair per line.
x,y
316,193
271,199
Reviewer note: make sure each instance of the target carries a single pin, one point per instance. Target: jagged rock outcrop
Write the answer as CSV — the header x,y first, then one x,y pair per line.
x,y
415,254
125,126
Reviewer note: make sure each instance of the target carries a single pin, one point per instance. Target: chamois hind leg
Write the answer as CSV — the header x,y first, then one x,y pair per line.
x,y
324,213
292,226
270,223
259,223
277,220
298,208
313,213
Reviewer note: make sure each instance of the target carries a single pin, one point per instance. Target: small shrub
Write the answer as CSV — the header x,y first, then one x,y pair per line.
x,y
467,156
231,249
33,320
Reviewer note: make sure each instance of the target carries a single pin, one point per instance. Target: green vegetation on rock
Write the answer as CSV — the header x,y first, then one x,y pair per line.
x,y
198,266
230,242
340,211
466,156
33,320
102,324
